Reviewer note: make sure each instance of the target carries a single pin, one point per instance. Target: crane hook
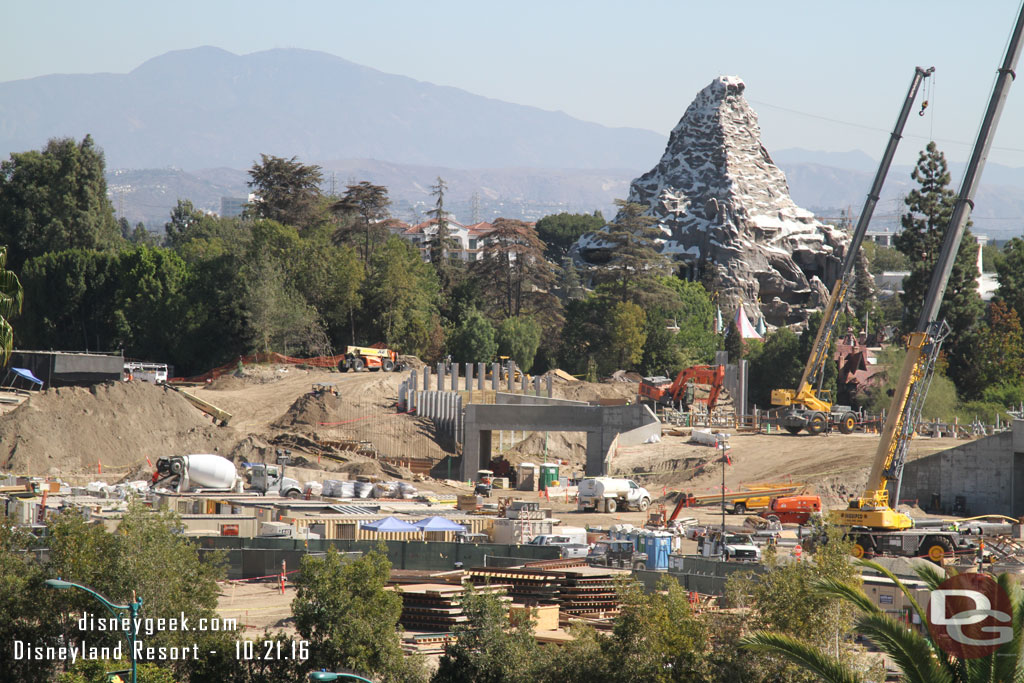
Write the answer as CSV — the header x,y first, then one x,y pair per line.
x,y
924,105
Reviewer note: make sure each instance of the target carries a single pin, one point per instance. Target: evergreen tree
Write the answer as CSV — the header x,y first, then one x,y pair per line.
x,y
473,340
442,244
930,206
286,190
635,262
55,199
626,336
560,232
362,210
733,342
519,338
11,295
569,281
515,277
1010,274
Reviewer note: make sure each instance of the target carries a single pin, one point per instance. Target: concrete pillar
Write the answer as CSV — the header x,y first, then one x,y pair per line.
x,y
524,384
440,376
402,402
481,372
536,386
426,378
551,390
413,390
511,376
460,420
495,376
469,377
455,376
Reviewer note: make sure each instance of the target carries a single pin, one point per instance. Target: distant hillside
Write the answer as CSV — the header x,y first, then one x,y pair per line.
x,y
208,108
148,195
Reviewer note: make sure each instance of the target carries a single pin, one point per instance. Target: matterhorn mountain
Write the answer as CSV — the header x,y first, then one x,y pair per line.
x,y
726,214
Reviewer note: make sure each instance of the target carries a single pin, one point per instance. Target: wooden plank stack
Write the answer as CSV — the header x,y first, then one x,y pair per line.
x,y
576,590
437,606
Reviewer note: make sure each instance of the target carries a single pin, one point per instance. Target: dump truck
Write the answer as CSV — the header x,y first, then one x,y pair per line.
x,y
359,358
605,494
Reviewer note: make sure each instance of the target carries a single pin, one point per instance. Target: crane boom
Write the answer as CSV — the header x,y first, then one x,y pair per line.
x,y
872,509
806,400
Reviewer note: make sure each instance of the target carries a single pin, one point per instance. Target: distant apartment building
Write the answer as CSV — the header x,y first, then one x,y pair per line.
x,y
232,207
471,238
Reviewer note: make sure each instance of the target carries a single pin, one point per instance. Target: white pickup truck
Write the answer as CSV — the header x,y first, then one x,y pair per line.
x,y
569,548
606,494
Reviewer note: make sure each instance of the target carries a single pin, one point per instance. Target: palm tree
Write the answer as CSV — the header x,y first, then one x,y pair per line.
x,y
918,657
10,305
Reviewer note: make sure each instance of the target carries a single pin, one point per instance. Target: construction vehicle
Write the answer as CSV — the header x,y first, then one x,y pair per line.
x,y
621,554
605,494
661,390
759,497
207,472
792,509
874,526
738,500
809,407
359,358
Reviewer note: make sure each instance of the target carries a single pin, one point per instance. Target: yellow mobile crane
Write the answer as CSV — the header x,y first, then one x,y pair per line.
x,y
875,527
809,407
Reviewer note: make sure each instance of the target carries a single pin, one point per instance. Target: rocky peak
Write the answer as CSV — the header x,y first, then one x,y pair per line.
x,y
725,212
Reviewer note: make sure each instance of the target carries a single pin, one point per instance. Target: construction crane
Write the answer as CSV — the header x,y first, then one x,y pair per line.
x,y
809,407
875,527
660,390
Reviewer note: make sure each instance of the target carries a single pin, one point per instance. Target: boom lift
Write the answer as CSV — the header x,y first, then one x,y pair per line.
x,y
659,390
809,406
873,524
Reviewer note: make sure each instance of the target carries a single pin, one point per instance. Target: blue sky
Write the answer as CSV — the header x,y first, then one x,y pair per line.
x,y
822,75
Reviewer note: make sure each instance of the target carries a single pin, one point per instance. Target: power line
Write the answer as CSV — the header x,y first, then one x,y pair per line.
x,y
872,128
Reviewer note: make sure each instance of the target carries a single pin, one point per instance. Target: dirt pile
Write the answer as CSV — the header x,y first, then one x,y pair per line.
x,y
73,429
571,446
308,411
590,391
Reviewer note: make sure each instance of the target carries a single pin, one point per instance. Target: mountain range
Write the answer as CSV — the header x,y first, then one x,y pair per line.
x,y
189,123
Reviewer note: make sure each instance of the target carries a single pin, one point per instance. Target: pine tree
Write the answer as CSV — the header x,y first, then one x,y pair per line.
x,y
930,207
635,262
441,246
363,208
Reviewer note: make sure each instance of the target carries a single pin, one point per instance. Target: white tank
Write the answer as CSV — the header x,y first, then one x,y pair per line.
x,y
604,486
209,471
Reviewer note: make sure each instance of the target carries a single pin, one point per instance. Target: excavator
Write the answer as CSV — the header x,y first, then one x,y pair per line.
x,y
870,520
808,407
680,391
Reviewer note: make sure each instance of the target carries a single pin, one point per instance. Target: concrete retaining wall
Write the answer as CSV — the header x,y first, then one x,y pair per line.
x,y
987,474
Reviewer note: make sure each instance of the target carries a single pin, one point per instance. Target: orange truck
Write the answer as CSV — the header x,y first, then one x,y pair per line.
x,y
361,358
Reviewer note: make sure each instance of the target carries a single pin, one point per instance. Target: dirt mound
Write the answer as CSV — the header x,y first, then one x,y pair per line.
x,y
308,410
571,446
589,391
74,429
411,363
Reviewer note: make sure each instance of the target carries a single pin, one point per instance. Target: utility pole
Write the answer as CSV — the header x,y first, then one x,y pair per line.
x,y
721,446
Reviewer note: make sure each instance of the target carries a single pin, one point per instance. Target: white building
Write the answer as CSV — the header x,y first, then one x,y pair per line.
x,y
471,238
232,207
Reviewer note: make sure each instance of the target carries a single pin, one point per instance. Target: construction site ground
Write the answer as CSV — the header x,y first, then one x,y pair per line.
x,y
115,432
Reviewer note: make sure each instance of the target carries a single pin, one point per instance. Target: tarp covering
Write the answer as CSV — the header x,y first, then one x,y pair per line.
x,y
438,524
389,524
27,374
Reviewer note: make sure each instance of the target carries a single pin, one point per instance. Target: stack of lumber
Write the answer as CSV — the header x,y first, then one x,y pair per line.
x,y
576,590
436,606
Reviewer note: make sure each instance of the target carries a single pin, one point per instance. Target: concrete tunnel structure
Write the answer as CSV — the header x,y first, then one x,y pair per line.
x,y
605,426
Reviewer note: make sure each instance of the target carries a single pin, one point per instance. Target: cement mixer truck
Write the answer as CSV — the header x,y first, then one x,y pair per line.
x,y
201,472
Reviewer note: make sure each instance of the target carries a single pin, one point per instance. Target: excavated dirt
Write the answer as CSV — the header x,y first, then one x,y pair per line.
x,y
113,426
69,432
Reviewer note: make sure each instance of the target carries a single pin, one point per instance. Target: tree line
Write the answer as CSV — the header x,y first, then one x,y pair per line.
x,y
306,273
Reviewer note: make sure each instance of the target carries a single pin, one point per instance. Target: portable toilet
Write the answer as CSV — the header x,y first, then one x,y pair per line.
x,y
548,475
527,477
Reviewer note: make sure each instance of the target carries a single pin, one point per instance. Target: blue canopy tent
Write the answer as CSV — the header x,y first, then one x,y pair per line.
x,y
389,524
24,374
438,524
